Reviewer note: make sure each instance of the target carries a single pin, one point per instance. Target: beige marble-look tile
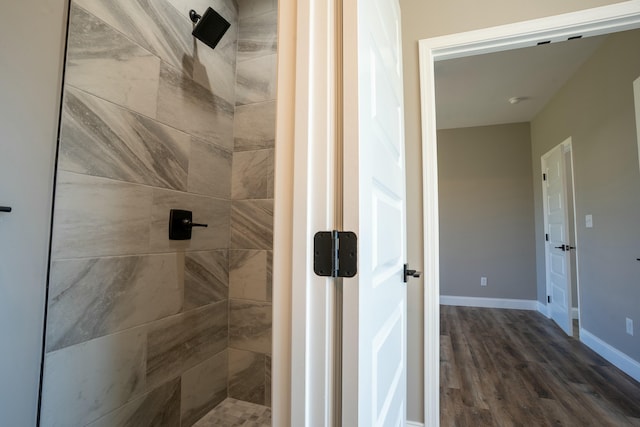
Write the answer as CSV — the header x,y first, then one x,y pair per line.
x,y
209,170
256,80
233,412
103,62
256,7
180,342
86,381
190,107
206,210
254,126
159,407
252,224
258,36
250,325
154,24
101,139
251,173
203,387
206,278
98,216
93,297
267,382
247,376
248,275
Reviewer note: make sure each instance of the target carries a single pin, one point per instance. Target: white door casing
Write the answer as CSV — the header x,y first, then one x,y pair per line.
x,y
375,318
636,100
556,225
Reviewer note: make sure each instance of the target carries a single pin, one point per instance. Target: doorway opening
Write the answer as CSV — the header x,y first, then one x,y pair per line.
x,y
587,23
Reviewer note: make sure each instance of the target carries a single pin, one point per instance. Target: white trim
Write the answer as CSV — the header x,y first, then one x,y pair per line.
x,y
413,424
281,380
636,101
311,122
625,363
600,20
516,304
543,309
575,313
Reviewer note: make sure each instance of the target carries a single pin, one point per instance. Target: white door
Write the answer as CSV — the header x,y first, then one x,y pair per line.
x,y
375,318
31,52
557,236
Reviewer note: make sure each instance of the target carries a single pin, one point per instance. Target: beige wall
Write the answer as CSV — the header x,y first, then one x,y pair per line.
x,y
596,109
486,212
424,19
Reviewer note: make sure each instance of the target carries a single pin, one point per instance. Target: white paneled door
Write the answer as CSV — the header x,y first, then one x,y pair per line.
x,y
375,306
557,236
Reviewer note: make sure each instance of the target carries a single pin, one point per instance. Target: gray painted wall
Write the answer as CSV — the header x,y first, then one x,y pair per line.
x,y
486,212
30,82
596,109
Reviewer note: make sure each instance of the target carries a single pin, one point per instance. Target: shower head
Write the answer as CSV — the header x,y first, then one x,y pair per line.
x,y
210,27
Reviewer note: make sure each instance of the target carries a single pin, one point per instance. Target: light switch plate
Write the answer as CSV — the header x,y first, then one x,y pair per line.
x,y
588,221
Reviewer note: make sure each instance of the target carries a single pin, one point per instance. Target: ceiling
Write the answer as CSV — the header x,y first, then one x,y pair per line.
x,y
475,90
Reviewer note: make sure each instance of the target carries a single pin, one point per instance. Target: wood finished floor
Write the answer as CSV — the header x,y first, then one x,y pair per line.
x,y
517,368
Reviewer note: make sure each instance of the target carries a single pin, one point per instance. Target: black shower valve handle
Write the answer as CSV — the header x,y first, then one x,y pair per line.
x,y
194,16
188,223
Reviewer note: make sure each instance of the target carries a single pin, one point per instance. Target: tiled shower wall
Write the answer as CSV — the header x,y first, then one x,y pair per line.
x,y
250,255
137,328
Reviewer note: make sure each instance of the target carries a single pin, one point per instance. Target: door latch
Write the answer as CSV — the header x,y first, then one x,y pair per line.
x,y
410,273
335,253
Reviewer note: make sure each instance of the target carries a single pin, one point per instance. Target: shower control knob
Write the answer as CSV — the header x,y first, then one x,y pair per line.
x,y
181,224
188,223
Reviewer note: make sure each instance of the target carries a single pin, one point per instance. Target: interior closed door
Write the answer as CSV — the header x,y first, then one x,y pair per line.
x,y
558,246
375,308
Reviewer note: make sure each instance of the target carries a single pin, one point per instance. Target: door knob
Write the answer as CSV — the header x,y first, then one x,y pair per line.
x,y
5,209
562,248
410,273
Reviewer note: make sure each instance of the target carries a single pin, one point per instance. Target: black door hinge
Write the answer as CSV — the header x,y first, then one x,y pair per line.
x,y
544,176
549,299
546,237
335,253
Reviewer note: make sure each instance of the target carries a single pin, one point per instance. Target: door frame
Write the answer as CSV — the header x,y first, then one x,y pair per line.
x,y
565,148
303,303
590,22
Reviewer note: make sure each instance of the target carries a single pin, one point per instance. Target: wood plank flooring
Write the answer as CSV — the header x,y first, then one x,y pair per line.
x,y
517,368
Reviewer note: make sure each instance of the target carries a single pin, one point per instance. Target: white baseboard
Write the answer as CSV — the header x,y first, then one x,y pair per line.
x,y
517,304
544,309
616,357
414,424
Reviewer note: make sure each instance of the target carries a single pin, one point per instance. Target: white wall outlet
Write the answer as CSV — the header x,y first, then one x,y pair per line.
x,y
630,326
588,221
483,281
